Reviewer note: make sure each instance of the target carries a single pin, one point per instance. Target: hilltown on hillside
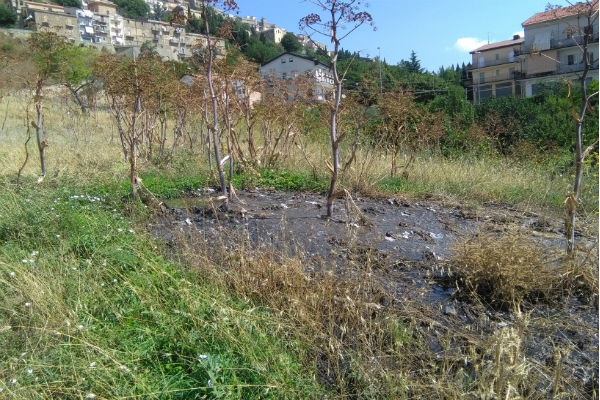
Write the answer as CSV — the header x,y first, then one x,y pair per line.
x,y
549,51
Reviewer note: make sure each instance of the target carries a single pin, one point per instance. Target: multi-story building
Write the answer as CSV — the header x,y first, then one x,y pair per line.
x,y
494,69
552,47
100,25
288,67
63,19
549,52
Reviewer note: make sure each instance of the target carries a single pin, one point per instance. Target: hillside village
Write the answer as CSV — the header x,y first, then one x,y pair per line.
x,y
547,53
99,23
200,205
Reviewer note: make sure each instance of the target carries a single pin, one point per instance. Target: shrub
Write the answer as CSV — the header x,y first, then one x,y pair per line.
x,y
7,16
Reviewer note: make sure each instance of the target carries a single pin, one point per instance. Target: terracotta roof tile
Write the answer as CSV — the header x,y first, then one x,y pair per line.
x,y
559,13
498,45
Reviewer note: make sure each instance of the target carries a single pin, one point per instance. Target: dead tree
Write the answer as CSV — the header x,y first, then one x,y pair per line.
x,y
587,20
337,14
227,5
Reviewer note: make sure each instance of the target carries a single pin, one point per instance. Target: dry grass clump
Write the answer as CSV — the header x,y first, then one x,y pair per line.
x,y
353,338
505,270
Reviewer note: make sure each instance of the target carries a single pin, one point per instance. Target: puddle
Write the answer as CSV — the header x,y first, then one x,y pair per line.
x,y
405,245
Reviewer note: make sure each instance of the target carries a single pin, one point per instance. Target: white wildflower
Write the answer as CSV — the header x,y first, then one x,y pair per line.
x,y
80,327
12,274
24,261
130,230
114,281
202,357
35,253
13,381
90,396
29,371
57,235
27,304
93,364
119,230
123,368
209,383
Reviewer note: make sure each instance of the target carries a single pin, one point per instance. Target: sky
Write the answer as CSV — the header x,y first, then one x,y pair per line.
x,y
441,32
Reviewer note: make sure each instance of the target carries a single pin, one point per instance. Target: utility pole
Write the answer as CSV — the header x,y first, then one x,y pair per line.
x,y
380,77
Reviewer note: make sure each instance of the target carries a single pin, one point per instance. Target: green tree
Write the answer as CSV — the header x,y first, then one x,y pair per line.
x,y
7,16
290,43
262,52
158,12
133,9
76,71
70,3
413,64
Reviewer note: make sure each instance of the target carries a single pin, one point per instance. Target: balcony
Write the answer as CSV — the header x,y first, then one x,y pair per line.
x,y
500,61
556,44
566,69
569,42
496,78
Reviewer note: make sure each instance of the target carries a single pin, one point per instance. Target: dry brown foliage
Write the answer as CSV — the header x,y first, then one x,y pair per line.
x,y
505,270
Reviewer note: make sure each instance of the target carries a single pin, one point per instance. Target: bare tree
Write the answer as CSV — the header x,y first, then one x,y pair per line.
x,y
337,14
227,5
587,19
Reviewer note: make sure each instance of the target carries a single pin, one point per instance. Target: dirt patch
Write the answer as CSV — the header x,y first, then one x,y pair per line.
x,y
406,247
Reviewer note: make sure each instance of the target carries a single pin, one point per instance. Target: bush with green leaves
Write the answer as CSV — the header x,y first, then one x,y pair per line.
x,y
7,16
133,9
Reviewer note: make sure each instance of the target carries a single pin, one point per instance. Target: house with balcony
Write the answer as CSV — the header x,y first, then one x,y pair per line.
x,y
287,68
494,69
552,47
550,52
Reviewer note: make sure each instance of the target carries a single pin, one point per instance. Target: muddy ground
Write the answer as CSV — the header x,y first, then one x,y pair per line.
x,y
408,244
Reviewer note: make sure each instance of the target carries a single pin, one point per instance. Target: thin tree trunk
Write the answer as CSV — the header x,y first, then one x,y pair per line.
x,y
335,151
215,125
38,128
573,198
75,93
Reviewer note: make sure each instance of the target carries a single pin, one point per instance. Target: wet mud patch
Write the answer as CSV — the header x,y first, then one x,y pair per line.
x,y
406,246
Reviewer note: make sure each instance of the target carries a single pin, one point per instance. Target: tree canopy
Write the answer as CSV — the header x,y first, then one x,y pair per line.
x,y
7,16
133,9
290,43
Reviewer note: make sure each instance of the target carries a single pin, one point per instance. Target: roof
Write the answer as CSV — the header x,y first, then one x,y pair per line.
x,y
296,55
559,13
103,3
497,45
46,5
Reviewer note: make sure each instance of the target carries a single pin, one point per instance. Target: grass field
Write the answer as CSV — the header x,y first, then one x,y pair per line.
x,y
91,306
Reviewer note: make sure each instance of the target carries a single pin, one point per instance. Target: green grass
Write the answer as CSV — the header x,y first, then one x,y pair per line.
x,y
281,180
89,306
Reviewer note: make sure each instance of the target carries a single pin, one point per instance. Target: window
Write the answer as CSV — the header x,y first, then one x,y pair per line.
x,y
283,60
481,77
511,73
591,57
497,72
291,59
570,59
497,56
284,75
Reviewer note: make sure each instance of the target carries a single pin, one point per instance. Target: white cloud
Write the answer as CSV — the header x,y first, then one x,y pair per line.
x,y
468,44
